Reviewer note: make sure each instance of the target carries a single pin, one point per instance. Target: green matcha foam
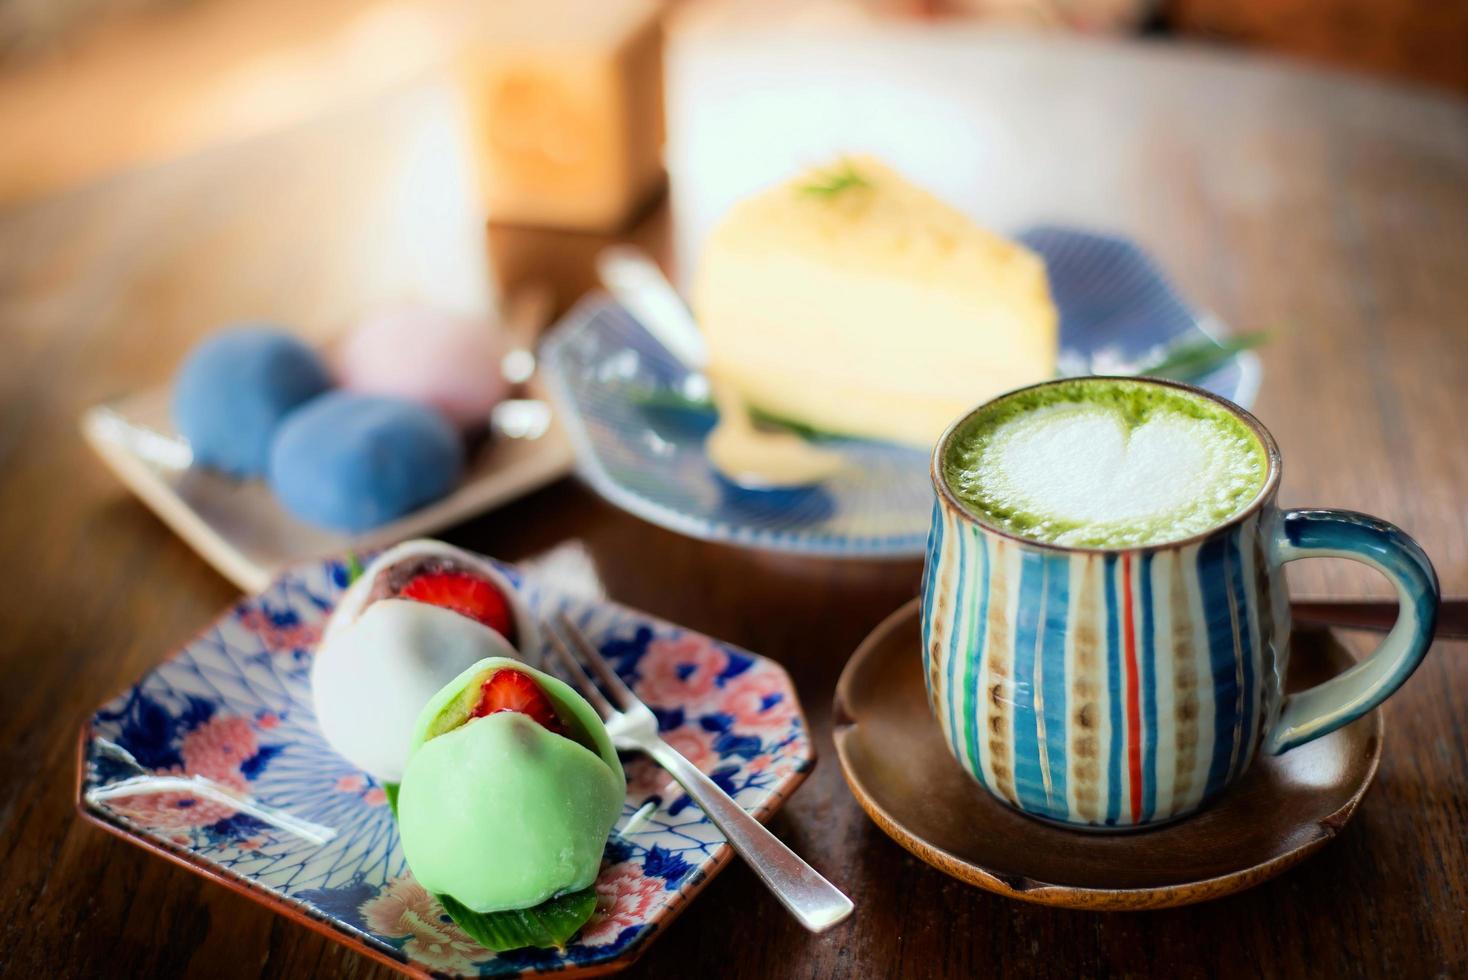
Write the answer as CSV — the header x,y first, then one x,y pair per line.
x,y
1105,463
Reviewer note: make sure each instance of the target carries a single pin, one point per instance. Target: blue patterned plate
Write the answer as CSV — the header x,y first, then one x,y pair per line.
x,y
214,760
624,402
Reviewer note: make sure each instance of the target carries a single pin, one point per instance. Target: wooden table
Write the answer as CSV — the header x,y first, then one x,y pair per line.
x,y
1333,210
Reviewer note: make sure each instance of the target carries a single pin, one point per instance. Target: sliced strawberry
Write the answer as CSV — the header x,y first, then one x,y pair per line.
x,y
513,690
466,594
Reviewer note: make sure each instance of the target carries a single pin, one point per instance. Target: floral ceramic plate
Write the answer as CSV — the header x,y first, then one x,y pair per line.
x,y
625,404
214,760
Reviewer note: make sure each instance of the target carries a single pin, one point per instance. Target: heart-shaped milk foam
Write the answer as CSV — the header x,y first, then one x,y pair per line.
x,y
1085,468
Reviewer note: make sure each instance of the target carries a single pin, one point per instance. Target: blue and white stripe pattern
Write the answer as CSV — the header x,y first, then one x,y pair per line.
x,y
1097,688
1126,688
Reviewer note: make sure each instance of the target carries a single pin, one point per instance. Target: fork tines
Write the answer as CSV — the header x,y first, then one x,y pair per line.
x,y
580,653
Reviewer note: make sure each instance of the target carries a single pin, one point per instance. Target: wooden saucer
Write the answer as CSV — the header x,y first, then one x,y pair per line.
x,y
898,767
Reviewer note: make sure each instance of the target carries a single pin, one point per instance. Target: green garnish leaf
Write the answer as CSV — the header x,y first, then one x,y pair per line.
x,y
665,400
834,181
390,790
780,422
1196,357
551,923
654,399
354,568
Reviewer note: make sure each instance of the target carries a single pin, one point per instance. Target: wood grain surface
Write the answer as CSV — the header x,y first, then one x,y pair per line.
x,y
1332,211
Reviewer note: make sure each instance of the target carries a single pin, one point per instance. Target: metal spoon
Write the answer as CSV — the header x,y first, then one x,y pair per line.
x,y
747,455
525,312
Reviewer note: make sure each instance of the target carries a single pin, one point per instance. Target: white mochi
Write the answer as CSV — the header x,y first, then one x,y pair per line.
x,y
371,677
354,600
1081,464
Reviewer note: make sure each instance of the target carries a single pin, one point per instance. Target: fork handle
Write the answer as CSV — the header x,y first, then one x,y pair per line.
x,y
813,900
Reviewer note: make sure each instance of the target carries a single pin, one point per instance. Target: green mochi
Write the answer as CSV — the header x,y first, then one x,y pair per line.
x,y
499,812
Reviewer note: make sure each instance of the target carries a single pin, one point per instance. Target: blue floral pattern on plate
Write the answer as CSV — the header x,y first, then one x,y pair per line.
x,y
619,391
215,759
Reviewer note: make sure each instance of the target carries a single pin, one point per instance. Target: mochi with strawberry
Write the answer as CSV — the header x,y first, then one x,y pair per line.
x,y
418,616
370,680
511,789
439,574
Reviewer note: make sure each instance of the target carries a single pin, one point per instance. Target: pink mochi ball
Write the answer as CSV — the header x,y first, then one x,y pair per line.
x,y
447,361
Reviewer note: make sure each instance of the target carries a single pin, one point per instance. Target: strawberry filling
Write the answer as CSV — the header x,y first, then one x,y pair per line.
x,y
466,594
513,690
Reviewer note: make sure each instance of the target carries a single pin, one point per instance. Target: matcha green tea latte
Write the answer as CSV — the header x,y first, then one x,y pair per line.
x,y
1105,463
1104,637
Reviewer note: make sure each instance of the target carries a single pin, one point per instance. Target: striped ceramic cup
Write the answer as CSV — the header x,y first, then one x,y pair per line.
x,y
1119,688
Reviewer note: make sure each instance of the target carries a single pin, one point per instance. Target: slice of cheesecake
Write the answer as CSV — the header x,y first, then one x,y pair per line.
x,y
854,302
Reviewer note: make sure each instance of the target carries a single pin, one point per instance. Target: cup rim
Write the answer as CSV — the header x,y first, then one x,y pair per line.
x,y
1266,490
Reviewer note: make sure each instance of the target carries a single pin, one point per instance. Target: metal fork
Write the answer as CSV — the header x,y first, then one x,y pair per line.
x,y
813,900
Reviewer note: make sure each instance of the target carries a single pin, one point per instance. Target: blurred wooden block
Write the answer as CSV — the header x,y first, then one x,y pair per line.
x,y
566,107
564,97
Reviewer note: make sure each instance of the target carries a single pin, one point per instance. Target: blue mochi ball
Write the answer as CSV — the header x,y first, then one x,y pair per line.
x,y
352,462
234,389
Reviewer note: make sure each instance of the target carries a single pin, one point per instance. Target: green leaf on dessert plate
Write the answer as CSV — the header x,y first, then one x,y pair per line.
x,y
1192,357
551,923
666,398
1196,357
662,400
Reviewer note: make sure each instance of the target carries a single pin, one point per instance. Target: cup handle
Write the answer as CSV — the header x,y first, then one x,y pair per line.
x,y
1339,701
